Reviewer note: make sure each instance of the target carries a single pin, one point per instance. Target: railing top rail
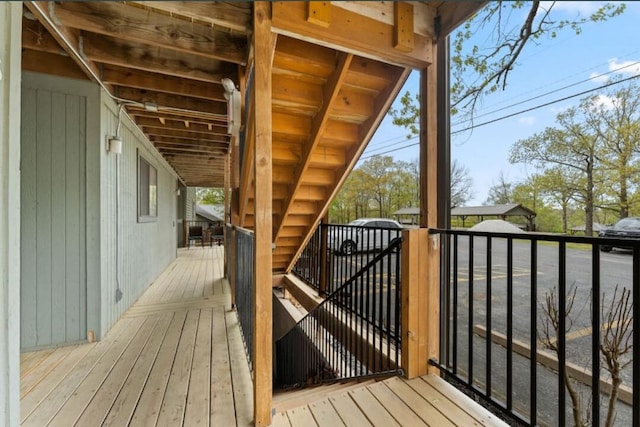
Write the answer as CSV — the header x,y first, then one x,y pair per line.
x,y
242,230
391,248
539,237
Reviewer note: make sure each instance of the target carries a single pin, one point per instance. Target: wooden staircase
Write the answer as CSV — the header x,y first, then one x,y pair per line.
x,y
326,105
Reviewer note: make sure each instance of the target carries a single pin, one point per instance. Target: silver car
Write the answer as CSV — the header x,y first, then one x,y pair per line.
x,y
363,235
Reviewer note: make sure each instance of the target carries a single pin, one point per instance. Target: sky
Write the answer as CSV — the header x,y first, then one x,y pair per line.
x,y
544,70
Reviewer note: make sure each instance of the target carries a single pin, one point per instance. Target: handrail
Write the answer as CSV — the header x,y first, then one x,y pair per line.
x,y
539,312
354,332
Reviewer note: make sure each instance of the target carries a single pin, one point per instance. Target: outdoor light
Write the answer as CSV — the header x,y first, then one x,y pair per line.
x,y
229,86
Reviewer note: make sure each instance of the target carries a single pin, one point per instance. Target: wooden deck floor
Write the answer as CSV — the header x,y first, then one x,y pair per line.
x,y
425,401
175,358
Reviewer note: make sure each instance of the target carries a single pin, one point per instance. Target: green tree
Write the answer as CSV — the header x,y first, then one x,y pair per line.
x,y
210,196
571,146
378,170
615,117
461,184
482,68
560,188
500,192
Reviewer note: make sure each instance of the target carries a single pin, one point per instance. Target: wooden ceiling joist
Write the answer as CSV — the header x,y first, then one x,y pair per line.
x,y
182,104
137,79
194,126
136,24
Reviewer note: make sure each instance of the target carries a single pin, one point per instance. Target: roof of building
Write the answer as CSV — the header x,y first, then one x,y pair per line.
x,y
407,211
495,210
211,212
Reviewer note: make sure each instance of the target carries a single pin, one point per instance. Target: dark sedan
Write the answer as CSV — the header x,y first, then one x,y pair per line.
x,y
626,228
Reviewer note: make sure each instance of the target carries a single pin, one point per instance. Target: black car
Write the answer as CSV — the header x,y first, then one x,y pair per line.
x,y
626,228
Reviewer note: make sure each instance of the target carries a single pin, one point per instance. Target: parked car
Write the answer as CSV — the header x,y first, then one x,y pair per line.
x,y
363,235
626,228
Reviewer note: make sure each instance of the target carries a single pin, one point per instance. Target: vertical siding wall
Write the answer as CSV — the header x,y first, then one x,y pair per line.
x,y
133,253
10,43
57,129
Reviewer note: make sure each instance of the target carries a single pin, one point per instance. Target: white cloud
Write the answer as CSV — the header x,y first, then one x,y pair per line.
x,y
624,67
599,78
604,101
527,120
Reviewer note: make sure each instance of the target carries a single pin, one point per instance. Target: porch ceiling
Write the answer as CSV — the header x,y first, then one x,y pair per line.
x,y
333,77
172,55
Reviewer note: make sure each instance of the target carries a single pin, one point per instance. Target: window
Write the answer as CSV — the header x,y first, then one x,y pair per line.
x,y
147,191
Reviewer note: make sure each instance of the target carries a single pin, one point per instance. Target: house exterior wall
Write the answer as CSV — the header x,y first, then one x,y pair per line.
x,y
59,130
133,253
10,51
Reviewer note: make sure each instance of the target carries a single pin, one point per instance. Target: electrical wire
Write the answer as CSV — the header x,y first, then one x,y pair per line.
x,y
546,104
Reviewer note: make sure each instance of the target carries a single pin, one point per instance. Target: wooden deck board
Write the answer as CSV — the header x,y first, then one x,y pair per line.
x,y
198,399
301,417
222,402
325,414
426,408
428,400
399,410
104,396
124,405
170,360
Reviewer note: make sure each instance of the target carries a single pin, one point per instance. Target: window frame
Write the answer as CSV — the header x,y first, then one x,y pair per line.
x,y
147,197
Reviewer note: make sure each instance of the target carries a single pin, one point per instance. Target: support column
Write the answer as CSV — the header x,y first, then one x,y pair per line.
x,y
434,184
262,344
10,101
416,290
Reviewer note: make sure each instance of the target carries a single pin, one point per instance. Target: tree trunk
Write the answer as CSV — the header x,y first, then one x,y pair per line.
x,y
564,217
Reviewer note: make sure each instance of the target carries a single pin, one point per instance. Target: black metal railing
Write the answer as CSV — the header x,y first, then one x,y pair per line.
x,y
354,333
336,252
245,286
227,251
530,323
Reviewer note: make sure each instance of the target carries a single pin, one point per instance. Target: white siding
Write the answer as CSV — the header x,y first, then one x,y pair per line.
x,y
133,253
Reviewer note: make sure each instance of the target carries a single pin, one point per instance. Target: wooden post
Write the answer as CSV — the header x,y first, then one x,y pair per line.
x,y
434,186
415,300
262,336
10,77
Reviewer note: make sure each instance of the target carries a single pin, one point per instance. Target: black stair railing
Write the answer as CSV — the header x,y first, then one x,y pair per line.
x,y
354,333
245,286
335,253
525,317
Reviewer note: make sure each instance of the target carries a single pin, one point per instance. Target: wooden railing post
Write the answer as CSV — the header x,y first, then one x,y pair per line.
x,y
264,45
417,330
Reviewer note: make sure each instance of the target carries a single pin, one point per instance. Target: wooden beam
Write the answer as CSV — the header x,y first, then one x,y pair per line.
x,y
66,37
365,132
185,134
187,142
430,168
137,79
138,25
164,100
350,32
168,115
329,94
50,63
319,13
403,26
235,16
263,311
415,302
184,125
125,53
